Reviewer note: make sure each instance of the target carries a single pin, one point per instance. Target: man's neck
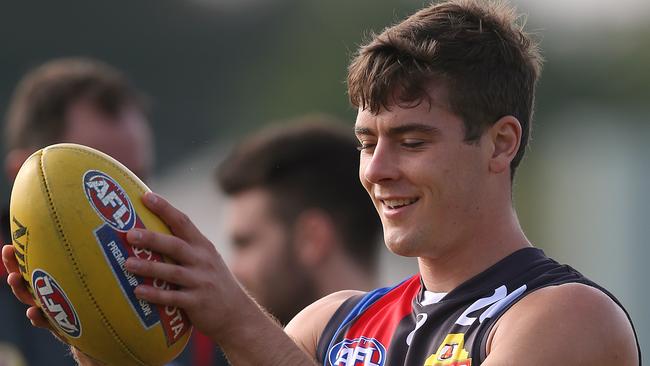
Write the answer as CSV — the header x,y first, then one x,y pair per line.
x,y
470,256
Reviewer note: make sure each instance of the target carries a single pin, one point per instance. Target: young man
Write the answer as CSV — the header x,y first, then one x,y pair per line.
x,y
300,224
445,102
67,100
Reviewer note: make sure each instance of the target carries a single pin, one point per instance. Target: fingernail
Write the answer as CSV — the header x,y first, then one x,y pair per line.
x,y
152,198
134,236
139,291
132,264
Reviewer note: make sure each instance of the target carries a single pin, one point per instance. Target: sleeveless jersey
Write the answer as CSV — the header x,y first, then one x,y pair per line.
x,y
406,325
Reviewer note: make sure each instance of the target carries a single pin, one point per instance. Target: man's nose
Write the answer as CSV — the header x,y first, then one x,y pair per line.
x,y
381,165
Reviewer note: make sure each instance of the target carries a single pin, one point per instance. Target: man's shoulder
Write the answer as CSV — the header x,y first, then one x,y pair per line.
x,y
328,304
306,327
564,322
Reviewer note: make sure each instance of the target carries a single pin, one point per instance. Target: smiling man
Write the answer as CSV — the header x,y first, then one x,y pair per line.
x,y
445,101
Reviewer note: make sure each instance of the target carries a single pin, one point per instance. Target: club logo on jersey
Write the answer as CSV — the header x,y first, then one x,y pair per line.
x,y
55,303
109,200
360,351
496,302
450,352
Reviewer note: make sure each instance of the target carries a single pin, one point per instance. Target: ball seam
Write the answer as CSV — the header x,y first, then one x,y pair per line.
x,y
72,257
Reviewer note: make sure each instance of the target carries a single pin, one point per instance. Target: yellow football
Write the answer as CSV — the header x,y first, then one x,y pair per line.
x,y
71,207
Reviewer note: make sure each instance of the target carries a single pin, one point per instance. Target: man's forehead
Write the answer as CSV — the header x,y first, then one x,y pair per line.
x,y
253,199
125,136
435,96
396,119
249,205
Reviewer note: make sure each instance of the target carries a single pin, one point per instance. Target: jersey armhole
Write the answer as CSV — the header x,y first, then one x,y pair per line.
x,y
347,312
484,332
331,327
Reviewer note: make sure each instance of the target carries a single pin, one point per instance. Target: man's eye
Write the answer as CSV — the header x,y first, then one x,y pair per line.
x,y
241,243
363,146
412,144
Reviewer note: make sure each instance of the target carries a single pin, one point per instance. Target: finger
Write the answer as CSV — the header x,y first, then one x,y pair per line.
x,y
169,272
174,298
9,258
179,223
19,288
84,359
38,319
169,245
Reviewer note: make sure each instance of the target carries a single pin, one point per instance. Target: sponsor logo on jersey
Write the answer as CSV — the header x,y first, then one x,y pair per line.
x,y
450,352
360,351
109,200
55,303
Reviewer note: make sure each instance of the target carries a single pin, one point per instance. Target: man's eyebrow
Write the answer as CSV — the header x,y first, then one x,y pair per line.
x,y
413,127
363,131
399,130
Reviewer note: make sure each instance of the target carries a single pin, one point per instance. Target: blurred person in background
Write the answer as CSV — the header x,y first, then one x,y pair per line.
x,y
300,225
75,100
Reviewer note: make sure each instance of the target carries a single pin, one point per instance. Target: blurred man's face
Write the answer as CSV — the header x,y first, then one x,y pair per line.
x,y
263,259
125,137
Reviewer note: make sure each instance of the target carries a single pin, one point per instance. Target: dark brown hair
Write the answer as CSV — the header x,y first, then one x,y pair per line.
x,y
476,48
309,163
36,114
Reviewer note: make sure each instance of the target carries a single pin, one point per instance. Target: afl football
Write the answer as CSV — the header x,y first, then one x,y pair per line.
x,y
71,207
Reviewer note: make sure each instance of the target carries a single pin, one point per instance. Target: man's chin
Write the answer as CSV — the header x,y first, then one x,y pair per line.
x,y
401,244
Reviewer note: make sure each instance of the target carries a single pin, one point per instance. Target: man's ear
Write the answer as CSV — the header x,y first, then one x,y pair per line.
x,y
505,138
314,237
14,160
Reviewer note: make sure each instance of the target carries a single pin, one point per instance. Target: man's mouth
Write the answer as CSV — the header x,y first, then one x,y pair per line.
x,y
397,203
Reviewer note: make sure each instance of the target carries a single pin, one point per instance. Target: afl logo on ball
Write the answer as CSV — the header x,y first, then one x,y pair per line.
x,y
55,303
109,200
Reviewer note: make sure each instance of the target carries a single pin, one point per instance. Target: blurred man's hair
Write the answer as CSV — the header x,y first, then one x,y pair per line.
x,y
475,48
36,114
310,163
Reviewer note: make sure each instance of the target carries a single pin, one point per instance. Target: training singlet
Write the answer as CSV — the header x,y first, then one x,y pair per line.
x,y
406,325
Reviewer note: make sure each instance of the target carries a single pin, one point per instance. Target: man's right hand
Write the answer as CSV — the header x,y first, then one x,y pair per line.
x,y
34,313
19,288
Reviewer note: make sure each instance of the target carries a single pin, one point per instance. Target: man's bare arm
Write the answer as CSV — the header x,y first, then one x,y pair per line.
x,y
570,324
307,326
